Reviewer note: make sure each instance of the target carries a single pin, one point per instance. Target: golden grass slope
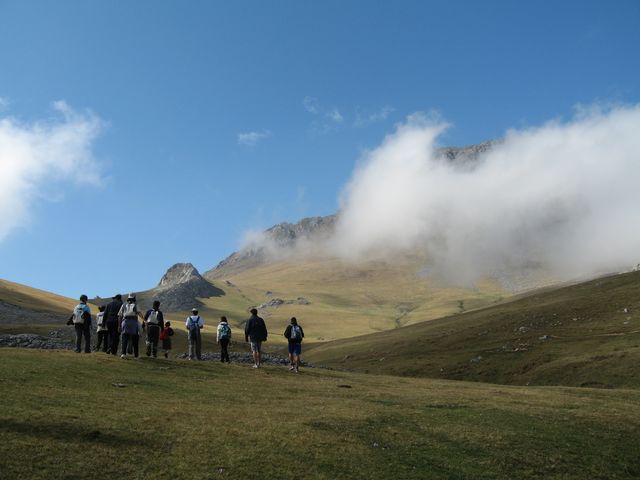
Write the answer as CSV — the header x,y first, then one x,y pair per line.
x,y
34,299
346,300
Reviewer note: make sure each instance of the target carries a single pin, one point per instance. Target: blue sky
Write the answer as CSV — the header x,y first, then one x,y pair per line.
x,y
214,118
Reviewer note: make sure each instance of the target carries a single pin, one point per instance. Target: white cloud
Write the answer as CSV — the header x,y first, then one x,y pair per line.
x,y
251,138
563,197
4,103
364,119
311,105
335,116
37,158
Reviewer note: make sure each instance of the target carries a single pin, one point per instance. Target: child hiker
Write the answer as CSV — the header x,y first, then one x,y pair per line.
x,y
165,336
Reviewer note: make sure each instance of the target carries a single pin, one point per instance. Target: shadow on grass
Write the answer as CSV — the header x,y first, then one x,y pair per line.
x,y
71,433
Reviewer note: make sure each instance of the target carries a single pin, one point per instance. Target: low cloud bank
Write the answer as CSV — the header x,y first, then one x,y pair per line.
x,y
37,158
563,198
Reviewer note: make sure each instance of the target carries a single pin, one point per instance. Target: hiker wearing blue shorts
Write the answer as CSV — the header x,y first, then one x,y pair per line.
x,y
294,334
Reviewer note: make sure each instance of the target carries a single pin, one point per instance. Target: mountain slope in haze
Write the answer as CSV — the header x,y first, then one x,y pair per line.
x,y
581,335
281,240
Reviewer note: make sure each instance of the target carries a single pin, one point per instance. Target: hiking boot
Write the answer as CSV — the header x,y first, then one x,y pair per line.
x,y
123,356
255,365
292,368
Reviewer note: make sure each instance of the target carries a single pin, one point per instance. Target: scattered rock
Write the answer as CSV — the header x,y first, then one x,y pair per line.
x,y
523,329
476,359
277,302
30,340
245,357
118,385
344,386
545,337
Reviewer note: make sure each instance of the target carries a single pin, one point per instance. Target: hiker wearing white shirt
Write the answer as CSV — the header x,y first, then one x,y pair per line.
x,y
101,325
194,324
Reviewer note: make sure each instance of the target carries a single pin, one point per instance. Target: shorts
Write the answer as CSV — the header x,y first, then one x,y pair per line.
x,y
256,346
295,348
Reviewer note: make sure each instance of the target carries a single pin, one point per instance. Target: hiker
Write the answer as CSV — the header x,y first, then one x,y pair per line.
x,y
129,326
194,324
81,319
255,331
101,329
165,336
154,324
294,334
112,322
223,337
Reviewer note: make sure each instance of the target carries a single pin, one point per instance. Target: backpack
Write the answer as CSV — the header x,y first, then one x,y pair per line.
x,y
130,310
193,323
100,319
152,319
78,315
225,331
296,333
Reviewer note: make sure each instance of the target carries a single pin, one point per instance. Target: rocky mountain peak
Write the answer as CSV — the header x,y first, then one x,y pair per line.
x,y
286,234
178,274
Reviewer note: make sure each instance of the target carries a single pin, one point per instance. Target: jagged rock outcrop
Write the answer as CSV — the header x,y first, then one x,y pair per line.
x,y
468,155
180,288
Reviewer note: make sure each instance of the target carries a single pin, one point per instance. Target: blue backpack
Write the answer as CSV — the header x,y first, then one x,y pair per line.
x,y
225,330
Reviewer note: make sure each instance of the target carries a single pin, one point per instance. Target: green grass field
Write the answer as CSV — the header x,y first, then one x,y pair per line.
x,y
61,418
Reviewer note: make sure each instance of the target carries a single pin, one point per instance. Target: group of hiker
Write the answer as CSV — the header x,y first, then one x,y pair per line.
x,y
117,323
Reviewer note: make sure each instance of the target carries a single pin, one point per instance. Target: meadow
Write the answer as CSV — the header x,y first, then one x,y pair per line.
x,y
67,416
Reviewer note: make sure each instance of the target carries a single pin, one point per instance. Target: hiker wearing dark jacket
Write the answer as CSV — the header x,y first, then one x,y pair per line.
x,y
255,331
111,321
294,334
154,321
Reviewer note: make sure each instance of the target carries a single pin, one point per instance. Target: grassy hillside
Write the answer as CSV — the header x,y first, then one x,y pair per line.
x,y
345,299
584,335
34,299
62,418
